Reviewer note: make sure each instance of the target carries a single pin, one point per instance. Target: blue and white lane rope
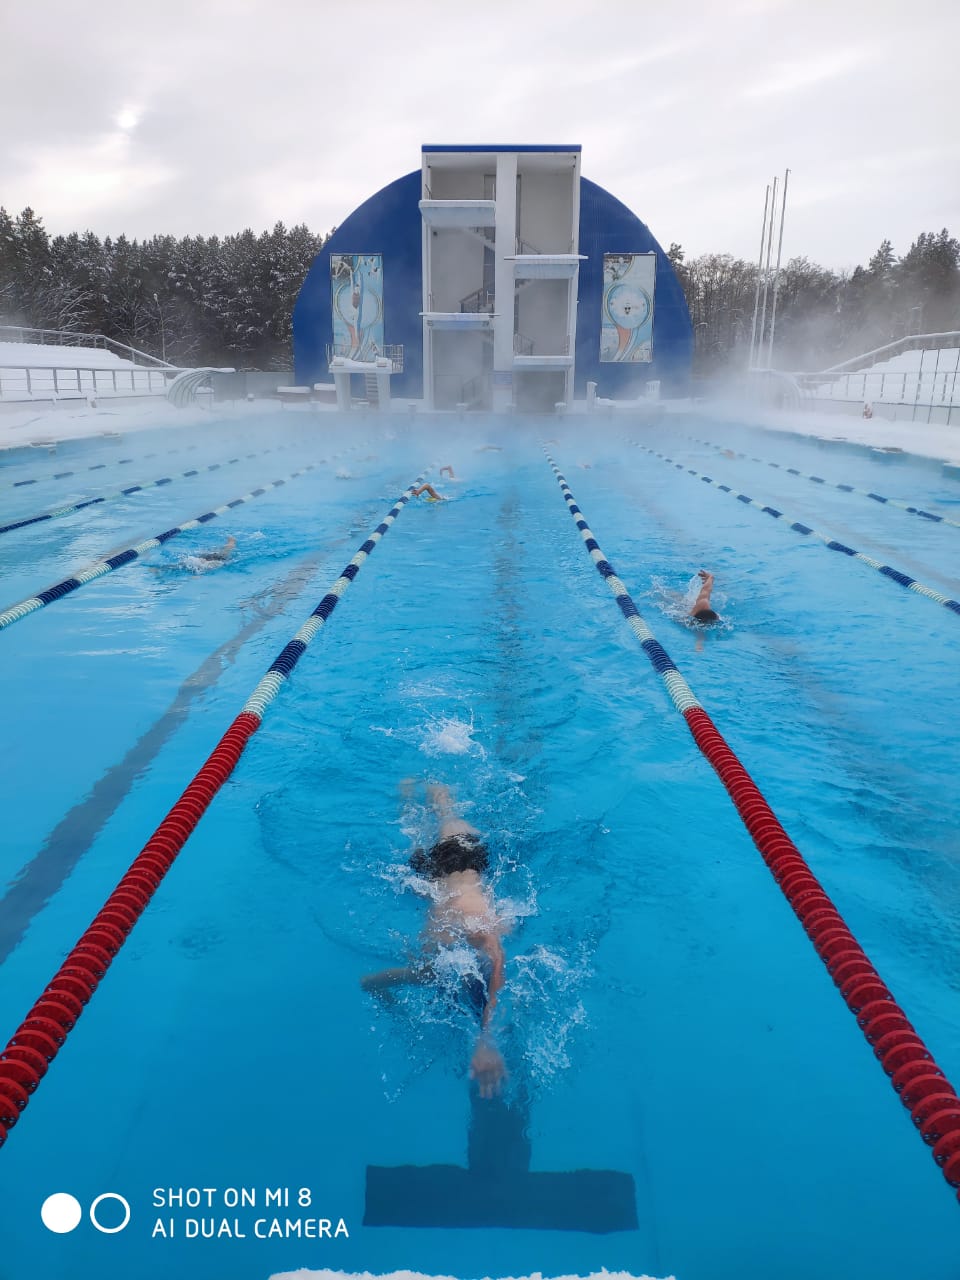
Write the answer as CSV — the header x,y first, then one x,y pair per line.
x,y
904,579
832,484
680,692
288,657
920,1084
127,556
125,493
96,466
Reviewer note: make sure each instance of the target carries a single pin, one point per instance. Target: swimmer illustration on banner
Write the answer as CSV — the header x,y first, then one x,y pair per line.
x,y
626,324
356,281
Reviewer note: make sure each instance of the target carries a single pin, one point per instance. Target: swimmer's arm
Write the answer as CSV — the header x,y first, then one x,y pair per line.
x,y
404,974
493,947
487,1067
703,599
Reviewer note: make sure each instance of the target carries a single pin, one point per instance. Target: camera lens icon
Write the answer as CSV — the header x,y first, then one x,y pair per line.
x,y
61,1213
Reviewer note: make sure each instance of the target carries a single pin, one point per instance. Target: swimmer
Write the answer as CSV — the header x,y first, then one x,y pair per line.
x,y
461,910
449,470
430,491
701,611
220,555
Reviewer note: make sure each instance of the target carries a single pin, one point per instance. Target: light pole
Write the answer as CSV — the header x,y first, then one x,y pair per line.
x,y
163,330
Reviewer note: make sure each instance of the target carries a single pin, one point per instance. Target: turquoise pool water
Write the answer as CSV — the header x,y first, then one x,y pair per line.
x,y
665,1017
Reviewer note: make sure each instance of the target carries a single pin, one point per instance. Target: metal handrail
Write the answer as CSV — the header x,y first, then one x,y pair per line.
x,y
70,338
480,300
65,380
525,247
392,352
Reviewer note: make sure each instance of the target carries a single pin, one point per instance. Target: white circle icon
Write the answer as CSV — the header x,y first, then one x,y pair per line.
x,y
109,1195
61,1212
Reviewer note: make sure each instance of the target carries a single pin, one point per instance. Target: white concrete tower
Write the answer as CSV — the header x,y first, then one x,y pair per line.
x,y
500,271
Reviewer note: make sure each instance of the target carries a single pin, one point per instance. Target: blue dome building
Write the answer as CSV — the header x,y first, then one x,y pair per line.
x,y
494,277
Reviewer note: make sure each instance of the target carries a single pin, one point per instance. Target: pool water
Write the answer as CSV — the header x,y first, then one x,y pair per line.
x,y
665,1018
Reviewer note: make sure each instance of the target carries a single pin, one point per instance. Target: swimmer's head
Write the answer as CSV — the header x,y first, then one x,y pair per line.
x,y
706,616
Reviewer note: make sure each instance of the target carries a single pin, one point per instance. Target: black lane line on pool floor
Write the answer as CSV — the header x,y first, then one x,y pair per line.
x,y
43,876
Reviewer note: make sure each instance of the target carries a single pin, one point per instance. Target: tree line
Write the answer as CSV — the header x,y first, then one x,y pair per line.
x,y
822,317
229,301
194,301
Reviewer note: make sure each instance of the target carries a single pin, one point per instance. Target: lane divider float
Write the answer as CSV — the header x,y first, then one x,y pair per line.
x,y
44,1031
126,493
100,567
831,484
96,466
922,1086
832,544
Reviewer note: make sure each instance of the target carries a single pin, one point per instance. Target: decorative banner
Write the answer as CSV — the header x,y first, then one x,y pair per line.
x,y
626,325
356,288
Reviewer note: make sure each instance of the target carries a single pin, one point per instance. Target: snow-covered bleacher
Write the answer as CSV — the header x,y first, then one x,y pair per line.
x,y
71,366
925,377
917,377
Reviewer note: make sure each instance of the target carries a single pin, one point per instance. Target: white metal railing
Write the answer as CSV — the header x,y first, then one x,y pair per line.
x,y
392,352
30,381
911,388
525,249
70,338
481,299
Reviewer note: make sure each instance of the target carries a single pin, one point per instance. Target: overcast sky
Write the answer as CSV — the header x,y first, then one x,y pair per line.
x,y
211,116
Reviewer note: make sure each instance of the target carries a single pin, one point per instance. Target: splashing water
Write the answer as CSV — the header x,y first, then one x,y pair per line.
x,y
449,736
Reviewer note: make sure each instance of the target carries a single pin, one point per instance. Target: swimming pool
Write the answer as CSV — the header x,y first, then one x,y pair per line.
x,y
665,1016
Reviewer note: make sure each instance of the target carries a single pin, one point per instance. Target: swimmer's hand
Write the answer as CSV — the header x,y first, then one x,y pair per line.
x,y
488,1068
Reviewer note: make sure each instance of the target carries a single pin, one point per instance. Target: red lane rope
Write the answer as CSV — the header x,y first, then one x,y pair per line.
x,y
923,1088
41,1035
43,1032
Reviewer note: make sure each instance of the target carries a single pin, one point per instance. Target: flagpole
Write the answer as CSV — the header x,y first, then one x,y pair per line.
x,y
776,277
756,299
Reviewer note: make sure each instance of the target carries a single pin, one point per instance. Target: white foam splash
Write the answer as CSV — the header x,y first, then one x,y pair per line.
x,y
197,564
449,736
